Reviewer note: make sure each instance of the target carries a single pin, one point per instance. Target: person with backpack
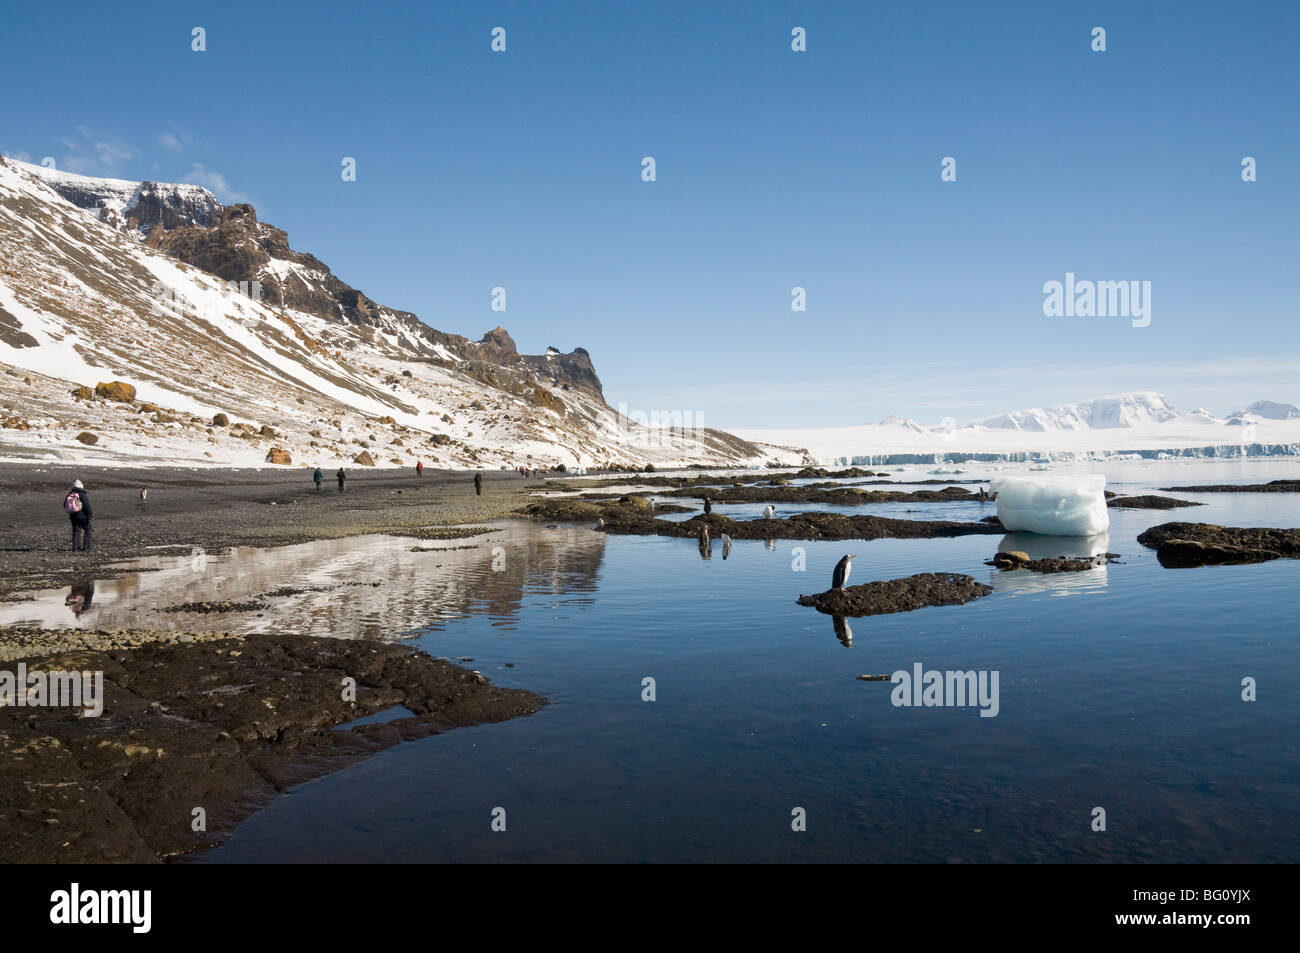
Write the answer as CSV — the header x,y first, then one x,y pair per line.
x,y
342,477
419,468
77,505
319,478
478,484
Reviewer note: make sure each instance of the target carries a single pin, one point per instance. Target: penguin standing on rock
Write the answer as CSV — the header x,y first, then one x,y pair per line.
x,y
769,512
841,574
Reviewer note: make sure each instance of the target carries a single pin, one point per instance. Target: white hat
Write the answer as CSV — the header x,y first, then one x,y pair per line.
x,y
77,484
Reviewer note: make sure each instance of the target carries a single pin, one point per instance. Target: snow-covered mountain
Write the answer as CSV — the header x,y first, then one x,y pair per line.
x,y
1105,413
210,316
1269,410
1144,423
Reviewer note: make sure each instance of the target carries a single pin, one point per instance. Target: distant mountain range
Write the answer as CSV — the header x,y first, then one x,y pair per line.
x,y
1143,423
1139,409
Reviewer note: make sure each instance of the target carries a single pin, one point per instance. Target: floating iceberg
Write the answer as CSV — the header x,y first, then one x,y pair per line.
x,y
1053,506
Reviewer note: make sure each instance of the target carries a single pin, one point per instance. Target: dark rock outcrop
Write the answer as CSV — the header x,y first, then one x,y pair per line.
x,y
898,595
1274,486
227,724
1149,502
1182,545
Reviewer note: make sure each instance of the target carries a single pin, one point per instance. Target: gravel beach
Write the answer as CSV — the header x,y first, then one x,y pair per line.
x,y
218,508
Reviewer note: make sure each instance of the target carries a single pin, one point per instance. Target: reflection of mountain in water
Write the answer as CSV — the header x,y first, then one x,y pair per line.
x,y
360,587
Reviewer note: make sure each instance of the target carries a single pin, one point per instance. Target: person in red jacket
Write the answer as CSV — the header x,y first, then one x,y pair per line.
x,y
419,468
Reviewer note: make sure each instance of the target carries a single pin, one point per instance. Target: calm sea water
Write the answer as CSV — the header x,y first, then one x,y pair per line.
x,y
1120,688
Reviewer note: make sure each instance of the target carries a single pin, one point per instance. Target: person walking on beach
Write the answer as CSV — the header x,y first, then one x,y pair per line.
x,y
77,505
342,477
419,468
478,484
319,478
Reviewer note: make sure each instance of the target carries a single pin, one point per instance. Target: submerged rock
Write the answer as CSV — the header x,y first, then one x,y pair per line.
x,y
898,595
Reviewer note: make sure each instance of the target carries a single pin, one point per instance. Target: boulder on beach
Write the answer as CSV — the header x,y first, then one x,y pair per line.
x,y
276,455
83,393
364,459
88,438
898,595
115,390
221,420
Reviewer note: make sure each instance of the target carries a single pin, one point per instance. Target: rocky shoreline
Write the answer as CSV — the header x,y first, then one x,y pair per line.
x,y
632,515
211,719
199,731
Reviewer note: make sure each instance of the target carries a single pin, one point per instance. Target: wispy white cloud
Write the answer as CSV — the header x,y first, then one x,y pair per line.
x,y
175,139
214,182
94,153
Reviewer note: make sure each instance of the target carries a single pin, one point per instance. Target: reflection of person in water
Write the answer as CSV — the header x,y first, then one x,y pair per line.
x,y
81,596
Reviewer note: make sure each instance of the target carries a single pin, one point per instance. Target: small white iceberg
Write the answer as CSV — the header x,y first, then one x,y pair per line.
x,y
1053,506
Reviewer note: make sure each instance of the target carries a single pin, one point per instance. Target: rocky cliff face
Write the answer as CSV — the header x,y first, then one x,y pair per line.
x,y
189,224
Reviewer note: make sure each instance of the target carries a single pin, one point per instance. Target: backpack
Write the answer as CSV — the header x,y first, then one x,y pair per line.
x,y
72,502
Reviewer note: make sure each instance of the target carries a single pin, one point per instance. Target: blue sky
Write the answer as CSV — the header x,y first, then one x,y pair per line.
x,y
775,169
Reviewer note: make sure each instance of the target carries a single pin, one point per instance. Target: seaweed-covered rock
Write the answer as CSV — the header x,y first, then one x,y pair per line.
x,y
898,595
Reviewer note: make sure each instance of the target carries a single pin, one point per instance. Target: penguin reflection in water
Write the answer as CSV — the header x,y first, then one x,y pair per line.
x,y
842,631
726,545
705,550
